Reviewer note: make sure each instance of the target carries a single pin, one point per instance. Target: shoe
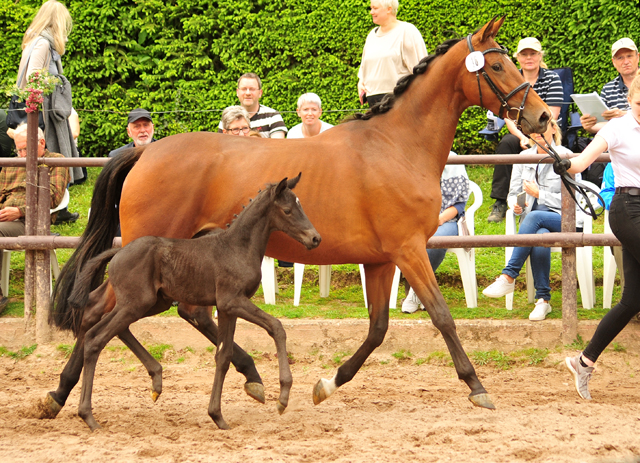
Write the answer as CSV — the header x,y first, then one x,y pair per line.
x,y
283,264
499,211
540,312
3,303
64,216
411,303
500,287
581,375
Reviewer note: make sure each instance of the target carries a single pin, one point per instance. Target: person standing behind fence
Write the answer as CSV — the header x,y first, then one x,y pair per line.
x,y
139,128
262,119
621,137
309,109
390,52
13,189
548,86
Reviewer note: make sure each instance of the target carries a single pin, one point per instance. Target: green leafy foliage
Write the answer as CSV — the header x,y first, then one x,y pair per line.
x,y
179,56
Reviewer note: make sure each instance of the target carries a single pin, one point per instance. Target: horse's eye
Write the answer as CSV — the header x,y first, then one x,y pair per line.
x,y
286,211
496,67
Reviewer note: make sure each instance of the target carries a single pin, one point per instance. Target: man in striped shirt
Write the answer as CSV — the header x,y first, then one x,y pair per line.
x,y
264,120
624,55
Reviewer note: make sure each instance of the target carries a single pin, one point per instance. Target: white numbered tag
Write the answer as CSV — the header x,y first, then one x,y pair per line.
x,y
475,61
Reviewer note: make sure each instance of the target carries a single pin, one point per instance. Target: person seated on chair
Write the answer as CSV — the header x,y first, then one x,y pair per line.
x,y
548,86
624,55
13,189
139,128
541,214
235,121
454,187
309,110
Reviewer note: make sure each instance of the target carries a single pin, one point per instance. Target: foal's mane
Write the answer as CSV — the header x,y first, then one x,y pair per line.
x,y
252,201
387,102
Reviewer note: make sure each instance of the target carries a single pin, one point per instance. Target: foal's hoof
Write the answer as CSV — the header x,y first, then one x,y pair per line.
x,y
482,400
48,408
281,408
255,391
322,390
154,395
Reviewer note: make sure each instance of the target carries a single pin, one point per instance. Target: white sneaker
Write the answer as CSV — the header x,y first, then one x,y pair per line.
x,y
541,311
500,287
411,303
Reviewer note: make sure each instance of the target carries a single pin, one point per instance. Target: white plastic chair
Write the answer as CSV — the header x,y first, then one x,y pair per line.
x,y
6,254
584,259
609,269
466,258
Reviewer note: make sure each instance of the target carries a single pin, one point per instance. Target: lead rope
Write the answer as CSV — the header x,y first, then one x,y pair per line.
x,y
570,184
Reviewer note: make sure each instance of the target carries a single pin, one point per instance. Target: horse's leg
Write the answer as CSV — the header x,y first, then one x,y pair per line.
x,y
227,326
200,318
415,266
379,278
247,310
152,365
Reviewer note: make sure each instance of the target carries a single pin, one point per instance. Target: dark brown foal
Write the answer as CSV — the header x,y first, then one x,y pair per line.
x,y
221,269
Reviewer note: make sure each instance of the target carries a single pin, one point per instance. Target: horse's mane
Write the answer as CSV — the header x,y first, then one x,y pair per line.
x,y
268,186
387,102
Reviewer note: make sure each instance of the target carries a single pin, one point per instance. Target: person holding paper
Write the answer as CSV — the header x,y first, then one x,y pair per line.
x,y
548,86
624,55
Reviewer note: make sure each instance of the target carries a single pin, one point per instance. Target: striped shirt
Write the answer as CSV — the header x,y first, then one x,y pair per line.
x,y
615,93
549,87
267,121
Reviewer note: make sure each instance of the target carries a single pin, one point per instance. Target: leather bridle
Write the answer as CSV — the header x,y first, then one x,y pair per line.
x,y
504,99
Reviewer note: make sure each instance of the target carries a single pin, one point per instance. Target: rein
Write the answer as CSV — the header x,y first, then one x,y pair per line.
x,y
570,184
504,99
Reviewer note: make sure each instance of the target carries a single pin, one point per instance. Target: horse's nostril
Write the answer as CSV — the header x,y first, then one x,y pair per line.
x,y
317,239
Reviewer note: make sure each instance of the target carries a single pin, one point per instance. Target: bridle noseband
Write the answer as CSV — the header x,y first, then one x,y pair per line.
x,y
504,99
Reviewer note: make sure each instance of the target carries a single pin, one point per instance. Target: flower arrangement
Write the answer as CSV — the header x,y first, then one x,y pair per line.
x,y
39,84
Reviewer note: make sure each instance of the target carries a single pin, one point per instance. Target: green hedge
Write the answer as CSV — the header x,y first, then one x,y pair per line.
x,y
184,55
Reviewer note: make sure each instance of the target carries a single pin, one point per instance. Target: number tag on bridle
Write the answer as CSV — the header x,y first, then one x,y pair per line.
x,y
474,61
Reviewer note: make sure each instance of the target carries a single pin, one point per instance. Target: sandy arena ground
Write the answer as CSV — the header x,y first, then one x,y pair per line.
x,y
393,410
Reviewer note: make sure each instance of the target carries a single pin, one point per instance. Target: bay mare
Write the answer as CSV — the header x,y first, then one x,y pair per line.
x,y
372,190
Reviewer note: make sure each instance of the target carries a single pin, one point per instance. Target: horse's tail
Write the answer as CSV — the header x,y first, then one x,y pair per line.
x,y
97,237
83,285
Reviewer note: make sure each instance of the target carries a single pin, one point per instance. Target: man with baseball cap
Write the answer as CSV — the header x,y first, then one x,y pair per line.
x,y
624,55
139,129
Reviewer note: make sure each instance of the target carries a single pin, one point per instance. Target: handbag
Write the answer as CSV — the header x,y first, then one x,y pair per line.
x,y
16,113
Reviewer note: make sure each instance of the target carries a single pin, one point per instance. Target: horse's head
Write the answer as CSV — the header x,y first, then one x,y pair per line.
x,y
492,81
288,216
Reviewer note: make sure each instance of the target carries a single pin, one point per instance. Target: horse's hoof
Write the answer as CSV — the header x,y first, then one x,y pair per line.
x,y
154,395
482,400
222,424
281,408
322,390
255,391
48,408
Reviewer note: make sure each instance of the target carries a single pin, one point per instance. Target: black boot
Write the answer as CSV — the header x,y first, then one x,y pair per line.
x,y
64,216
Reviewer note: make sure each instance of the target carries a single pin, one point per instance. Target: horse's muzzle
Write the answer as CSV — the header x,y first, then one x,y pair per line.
x,y
312,240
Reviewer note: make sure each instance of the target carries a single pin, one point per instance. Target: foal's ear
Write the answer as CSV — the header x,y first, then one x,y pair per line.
x,y
294,181
280,188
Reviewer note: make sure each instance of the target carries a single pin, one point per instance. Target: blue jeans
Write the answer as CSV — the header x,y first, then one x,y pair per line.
x,y
436,256
535,222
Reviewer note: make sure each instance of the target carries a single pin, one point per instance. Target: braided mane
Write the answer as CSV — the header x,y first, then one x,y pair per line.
x,y
387,102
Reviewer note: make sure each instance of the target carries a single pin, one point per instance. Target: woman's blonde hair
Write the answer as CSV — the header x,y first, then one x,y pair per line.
x,y
635,85
557,137
53,17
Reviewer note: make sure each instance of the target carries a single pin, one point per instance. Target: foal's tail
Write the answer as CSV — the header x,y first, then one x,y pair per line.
x,y
97,237
83,285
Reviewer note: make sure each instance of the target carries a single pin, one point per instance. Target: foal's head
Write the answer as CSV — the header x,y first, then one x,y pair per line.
x,y
286,213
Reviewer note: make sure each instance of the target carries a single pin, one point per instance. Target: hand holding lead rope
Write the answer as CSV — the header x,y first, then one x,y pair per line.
x,y
560,166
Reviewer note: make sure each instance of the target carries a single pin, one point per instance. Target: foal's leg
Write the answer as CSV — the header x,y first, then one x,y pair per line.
x,y
415,266
200,318
152,365
247,310
379,278
227,327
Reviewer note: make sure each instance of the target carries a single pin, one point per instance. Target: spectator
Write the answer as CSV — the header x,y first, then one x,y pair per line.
x,y
624,55
13,189
139,128
548,86
454,186
309,110
6,143
540,215
390,52
235,121
262,119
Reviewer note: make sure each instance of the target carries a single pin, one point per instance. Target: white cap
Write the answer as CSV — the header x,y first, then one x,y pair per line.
x,y
621,44
528,42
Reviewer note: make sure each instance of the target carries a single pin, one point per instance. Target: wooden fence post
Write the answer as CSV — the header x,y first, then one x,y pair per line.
x,y
43,258
30,213
569,285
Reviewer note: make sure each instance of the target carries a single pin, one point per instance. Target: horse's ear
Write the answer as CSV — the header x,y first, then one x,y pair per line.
x,y
294,181
280,188
491,29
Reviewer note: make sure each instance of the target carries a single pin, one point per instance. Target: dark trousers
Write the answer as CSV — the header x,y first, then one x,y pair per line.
x,y
624,218
510,144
